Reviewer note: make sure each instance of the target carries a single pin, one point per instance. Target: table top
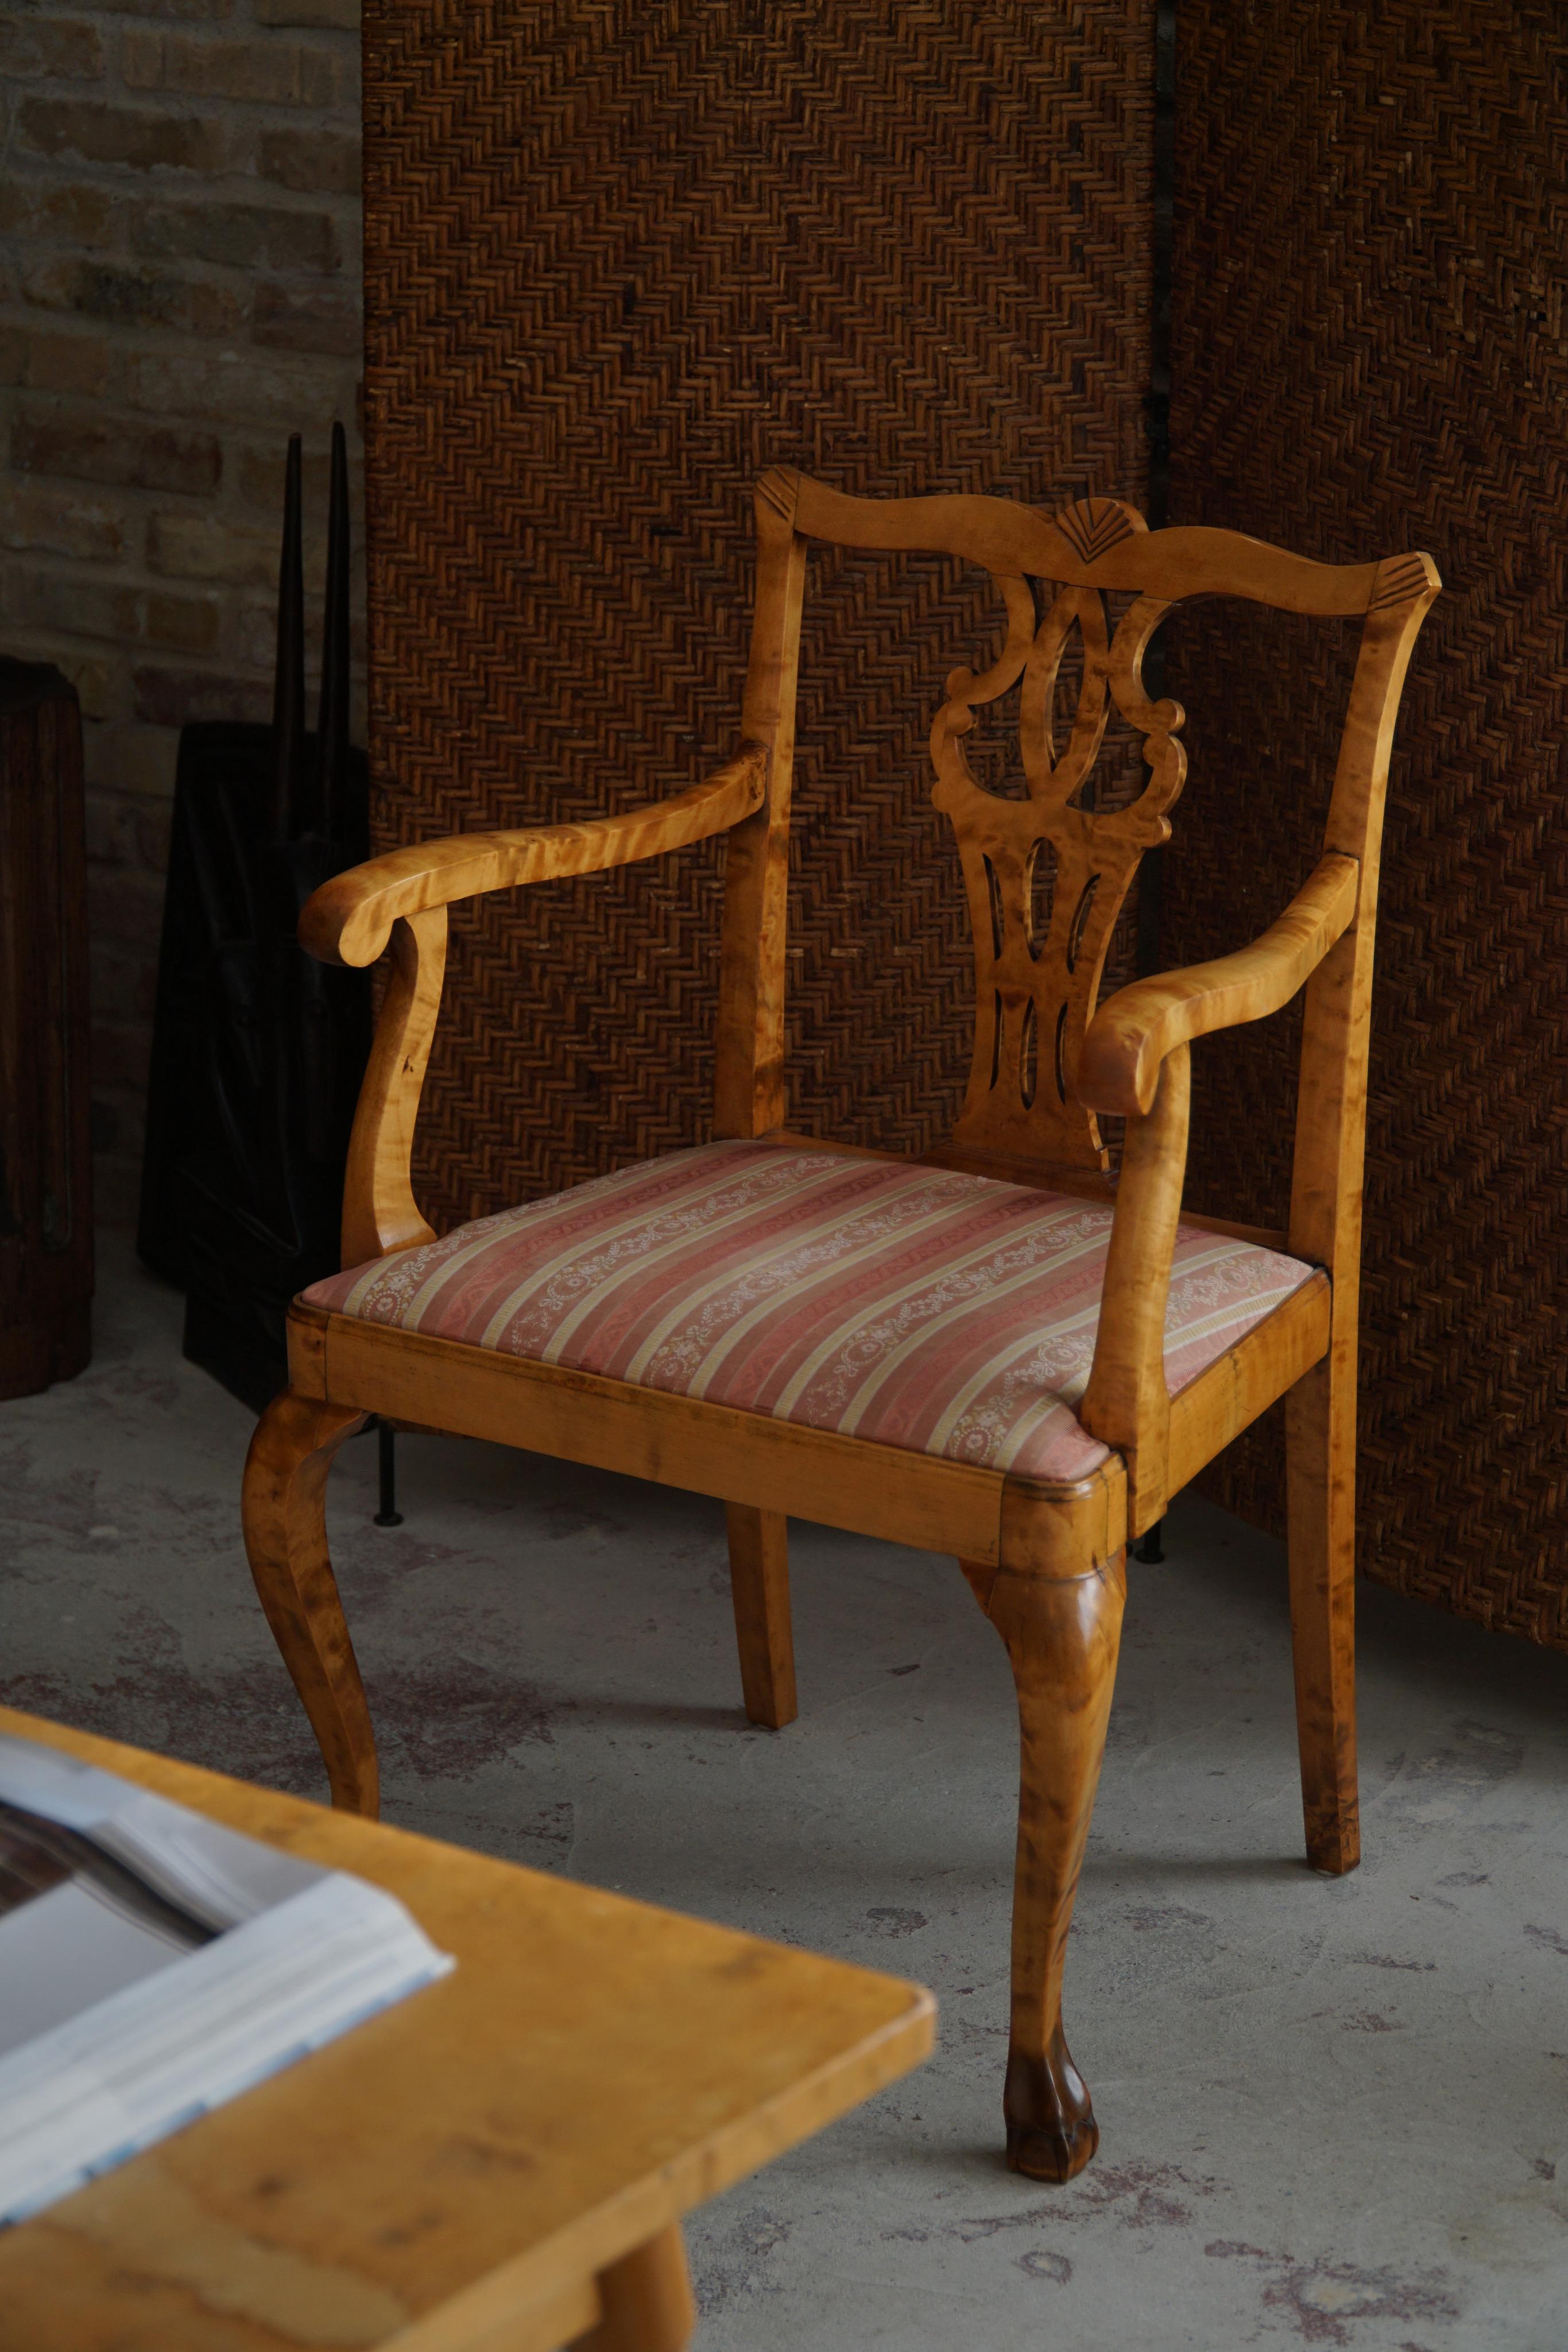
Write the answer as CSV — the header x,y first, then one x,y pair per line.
x,y
591,2070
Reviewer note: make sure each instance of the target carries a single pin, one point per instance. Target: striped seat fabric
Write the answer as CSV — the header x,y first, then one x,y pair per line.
x,y
947,1313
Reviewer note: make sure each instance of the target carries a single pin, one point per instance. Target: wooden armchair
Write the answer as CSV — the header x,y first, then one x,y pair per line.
x,y
997,1351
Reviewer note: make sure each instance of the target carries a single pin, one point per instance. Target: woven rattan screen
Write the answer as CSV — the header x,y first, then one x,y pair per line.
x,y
618,259
1369,354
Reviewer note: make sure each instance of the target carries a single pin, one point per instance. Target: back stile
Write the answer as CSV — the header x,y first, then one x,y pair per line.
x,y
750,1097
379,1212
1325,1226
1331,1112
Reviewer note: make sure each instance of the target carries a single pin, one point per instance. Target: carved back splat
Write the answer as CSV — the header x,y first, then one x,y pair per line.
x,y
1036,980
1035,984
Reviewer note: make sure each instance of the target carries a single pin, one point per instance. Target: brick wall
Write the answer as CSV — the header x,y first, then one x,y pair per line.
x,y
179,290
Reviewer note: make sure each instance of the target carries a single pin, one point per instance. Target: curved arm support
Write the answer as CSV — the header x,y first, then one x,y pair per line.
x,y
403,896
1131,1036
380,1213
350,918
1128,1403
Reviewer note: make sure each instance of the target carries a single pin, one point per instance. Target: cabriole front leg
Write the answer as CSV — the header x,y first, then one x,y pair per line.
x,y
285,1516
1062,1636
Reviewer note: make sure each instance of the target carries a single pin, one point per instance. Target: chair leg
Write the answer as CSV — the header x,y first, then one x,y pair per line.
x,y
646,2300
1320,1453
759,1587
283,1510
1062,1637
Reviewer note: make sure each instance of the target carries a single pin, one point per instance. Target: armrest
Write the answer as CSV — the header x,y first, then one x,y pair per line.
x,y
1131,1036
349,919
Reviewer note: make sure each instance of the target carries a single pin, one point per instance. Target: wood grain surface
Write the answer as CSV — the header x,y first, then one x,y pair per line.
x,y
1045,871
454,2174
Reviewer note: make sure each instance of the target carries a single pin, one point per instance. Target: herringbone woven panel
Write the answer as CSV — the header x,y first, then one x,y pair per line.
x,y
618,259
1370,355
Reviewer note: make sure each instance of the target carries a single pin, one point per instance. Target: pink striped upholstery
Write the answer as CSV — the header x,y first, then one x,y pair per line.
x,y
945,1314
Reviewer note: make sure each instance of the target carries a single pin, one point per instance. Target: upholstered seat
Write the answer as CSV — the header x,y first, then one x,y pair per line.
x,y
912,1307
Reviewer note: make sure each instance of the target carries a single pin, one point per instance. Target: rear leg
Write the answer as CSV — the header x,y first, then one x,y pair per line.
x,y
1320,1453
759,1587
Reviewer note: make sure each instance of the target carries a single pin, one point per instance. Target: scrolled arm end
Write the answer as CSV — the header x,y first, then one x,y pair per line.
x,y
1120,1061
333,925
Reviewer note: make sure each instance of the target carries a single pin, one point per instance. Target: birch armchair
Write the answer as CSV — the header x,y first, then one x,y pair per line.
x,y
995,1352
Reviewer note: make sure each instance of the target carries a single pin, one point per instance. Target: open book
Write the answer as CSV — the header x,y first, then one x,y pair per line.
x,y
153,1964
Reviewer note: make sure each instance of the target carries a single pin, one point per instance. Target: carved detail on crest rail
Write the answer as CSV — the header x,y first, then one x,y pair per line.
x,y
1399,579
1096,525
1038,952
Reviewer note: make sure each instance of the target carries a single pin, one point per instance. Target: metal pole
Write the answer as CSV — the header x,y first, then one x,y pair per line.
x,y
389,1516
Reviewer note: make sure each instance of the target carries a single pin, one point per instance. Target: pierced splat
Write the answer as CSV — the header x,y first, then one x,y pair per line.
x,y
1047,876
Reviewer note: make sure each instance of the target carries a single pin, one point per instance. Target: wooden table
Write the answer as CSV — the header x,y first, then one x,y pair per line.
x,y
498,2164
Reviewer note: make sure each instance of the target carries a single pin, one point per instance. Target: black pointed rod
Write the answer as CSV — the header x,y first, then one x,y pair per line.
x,y
333,724
288,683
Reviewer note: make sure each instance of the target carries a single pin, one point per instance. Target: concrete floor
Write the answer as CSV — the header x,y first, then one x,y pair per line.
x,y
1333,2113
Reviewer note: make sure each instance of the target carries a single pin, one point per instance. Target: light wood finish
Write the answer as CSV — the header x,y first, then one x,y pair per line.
x,y
708,1449
1062,1533
1046,1561
1099,541
1319,1464
760,1586
1036,981
379,1212
1127,1402
1131,1036
401,899
503,2157
350,918
1062,1637
1325,1226
1247,1378
285,1516
748,1084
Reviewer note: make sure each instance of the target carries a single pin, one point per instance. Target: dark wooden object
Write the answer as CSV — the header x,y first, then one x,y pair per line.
x,y
257,1063
46,1167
